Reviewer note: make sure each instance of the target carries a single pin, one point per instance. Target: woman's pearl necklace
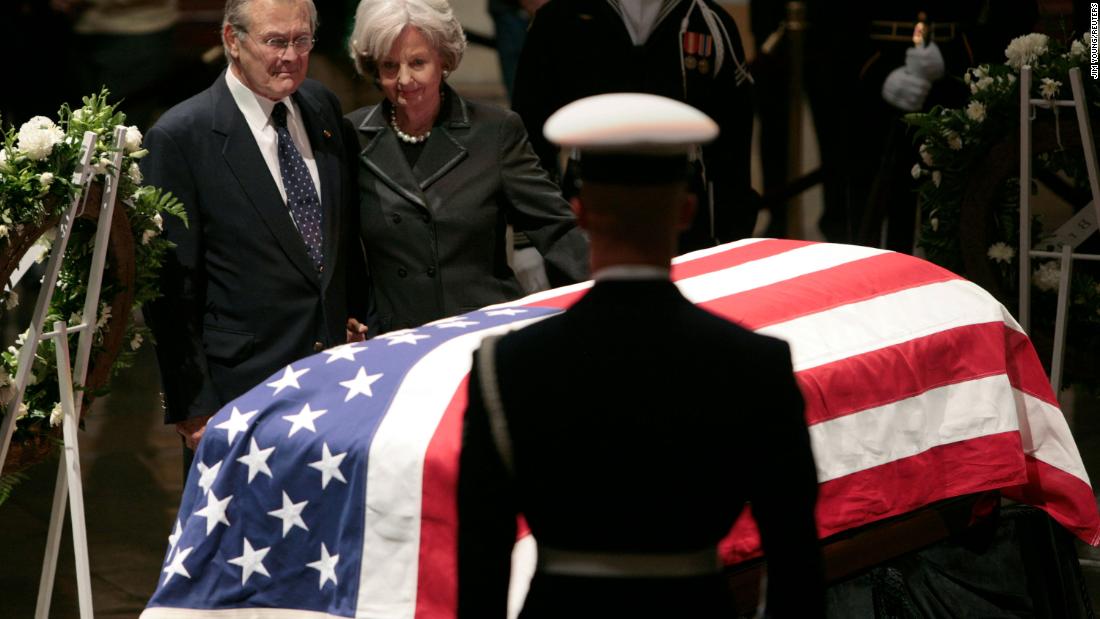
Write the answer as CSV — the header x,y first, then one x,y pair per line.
x,y
405,137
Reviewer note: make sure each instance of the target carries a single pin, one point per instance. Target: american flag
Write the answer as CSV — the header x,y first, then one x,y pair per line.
x,y
329,489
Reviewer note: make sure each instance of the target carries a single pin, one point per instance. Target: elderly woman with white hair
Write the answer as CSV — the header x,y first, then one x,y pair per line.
x,y
440,177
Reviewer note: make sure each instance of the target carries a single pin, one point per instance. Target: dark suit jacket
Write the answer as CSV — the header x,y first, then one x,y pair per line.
x,y
435,233
241,297
639,423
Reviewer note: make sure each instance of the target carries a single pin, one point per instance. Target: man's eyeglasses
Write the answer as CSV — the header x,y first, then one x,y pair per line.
x,y
279,45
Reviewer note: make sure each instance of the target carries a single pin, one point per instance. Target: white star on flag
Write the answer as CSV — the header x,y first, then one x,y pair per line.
x,y
326,565
455,323
256,460
175,536
290,513
176,565
505,312
237,422
408,338
304,419
214,512
289,379
347,351
360,384
329,465
398,333
207,474
251,561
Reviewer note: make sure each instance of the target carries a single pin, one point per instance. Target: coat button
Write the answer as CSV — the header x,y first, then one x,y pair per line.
x,y
318,347
396,218
401,272
431,271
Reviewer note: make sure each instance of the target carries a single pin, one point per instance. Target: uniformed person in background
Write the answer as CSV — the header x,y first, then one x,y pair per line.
x,y
688,50
632,429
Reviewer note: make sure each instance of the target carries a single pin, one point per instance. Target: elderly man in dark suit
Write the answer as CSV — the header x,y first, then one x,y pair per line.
x,y
632,429
265,270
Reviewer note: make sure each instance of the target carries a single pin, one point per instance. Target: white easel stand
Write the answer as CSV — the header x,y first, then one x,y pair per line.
x,y
68,486
1066,255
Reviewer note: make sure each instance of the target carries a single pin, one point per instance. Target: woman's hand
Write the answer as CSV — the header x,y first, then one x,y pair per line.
x,y
356,331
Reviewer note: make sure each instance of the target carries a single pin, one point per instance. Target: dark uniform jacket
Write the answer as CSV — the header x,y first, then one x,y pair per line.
x,y
639,423
435,233
578,48
241,297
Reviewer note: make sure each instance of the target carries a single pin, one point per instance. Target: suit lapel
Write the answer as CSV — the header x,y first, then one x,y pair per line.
x,y
320,131
243,157
384,157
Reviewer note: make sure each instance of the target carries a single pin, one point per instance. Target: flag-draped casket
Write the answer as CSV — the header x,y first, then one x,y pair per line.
x,y
329,490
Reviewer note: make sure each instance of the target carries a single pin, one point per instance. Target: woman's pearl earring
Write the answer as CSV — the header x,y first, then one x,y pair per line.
x,y
446,73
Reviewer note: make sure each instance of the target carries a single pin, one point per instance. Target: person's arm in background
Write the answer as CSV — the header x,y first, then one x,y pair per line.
x,y
176,316
537,209
784,491
486,515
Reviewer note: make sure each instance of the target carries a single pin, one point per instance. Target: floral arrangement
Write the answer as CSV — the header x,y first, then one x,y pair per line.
x,y
37,164
954,144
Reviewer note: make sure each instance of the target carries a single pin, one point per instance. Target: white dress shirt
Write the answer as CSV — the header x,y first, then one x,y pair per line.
x,y
257,113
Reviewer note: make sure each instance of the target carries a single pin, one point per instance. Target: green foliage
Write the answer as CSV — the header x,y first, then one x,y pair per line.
x,y
37,164
954,142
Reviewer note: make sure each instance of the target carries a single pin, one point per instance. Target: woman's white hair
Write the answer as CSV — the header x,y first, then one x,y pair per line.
x,y
378,23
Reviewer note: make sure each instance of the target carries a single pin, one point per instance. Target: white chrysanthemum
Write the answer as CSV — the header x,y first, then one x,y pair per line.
x,y
1001,252
954,140
984,83
56,415
158,221
3,231
1077,49
3,158
926,155
132,141
935,223
37,138
12,301
975,111
101,166
1026,49
1049,88
135,173
148,235
135,343
81,113
937,177
1046,276
1011,79
916,171
45,179
23,410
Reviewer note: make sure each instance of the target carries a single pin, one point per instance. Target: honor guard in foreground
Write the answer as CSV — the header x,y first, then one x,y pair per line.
x,y
632,429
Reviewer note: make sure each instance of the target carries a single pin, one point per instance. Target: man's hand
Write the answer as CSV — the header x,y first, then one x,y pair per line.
x,y
356,331
191,430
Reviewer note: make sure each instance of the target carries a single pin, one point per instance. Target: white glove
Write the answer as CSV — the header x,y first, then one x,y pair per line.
x,y
926,61
904,90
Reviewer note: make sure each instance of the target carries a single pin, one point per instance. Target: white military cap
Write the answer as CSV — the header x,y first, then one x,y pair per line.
x,y
630,137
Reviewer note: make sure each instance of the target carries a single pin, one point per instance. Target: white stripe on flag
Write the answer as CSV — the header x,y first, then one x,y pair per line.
x,y
887,320
1046,436
395,475
771,270
889,433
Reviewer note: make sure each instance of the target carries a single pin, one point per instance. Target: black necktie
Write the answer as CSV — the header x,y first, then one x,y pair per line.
x,y
301,195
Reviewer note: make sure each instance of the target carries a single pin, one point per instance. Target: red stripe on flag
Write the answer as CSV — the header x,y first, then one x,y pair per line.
x,y
1067,499
807,294
891,489
735,256
1025,371
437,582
888,374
